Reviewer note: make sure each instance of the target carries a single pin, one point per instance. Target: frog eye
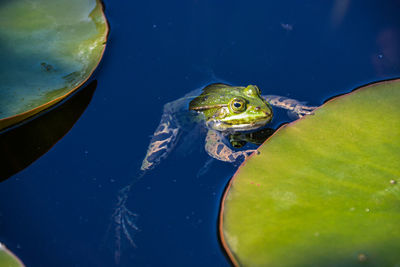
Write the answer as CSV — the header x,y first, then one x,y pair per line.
x,y
238,105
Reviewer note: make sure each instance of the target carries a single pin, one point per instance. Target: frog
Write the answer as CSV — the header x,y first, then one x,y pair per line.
x,y
231,116
221,109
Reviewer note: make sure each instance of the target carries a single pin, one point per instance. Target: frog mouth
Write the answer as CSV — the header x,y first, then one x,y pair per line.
x,y
249,126
239,126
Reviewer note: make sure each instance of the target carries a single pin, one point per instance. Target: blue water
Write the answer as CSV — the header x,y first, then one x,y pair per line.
x,y
56,212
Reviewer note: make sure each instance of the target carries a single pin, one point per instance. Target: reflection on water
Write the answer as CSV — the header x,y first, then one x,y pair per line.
x,y
339,11
25,143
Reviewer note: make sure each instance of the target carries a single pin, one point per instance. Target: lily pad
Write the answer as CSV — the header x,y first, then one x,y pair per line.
x,y
27,142
7,258
48,49
324,190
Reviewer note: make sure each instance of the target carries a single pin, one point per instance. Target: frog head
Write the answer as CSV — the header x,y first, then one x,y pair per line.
x,y
232,108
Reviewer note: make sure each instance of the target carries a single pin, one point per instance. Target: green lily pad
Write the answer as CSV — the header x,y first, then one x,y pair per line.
x,y
27,142
324,190
8,259
48,49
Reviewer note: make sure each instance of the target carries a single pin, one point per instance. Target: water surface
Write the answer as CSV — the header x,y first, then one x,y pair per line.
x,y
56,212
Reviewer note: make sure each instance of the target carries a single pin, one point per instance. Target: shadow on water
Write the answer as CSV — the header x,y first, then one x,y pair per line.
x,y
24,144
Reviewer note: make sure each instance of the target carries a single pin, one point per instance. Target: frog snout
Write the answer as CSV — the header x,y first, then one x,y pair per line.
x,y
268,113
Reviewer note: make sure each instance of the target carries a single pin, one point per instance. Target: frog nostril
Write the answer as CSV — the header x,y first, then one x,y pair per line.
x,y
258,108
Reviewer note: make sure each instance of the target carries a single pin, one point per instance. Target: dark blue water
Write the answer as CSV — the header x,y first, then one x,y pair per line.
x,y
56,212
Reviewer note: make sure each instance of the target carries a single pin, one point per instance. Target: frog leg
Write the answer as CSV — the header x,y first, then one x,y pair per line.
x,y
167,133
162,142
123,221
216,148
298,108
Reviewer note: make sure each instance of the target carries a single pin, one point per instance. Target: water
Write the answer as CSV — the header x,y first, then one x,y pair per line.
x,y
56,212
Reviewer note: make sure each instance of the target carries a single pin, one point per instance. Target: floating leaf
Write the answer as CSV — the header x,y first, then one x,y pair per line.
x,y
48,49
324,190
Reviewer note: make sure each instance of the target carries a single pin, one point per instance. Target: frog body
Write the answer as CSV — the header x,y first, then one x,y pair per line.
x,y
231,115
221,108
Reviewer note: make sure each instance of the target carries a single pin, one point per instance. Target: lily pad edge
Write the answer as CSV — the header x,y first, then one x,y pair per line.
x,y
10,254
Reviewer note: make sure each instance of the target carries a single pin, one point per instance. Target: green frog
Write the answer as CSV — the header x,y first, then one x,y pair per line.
x,y
224,111
231,115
